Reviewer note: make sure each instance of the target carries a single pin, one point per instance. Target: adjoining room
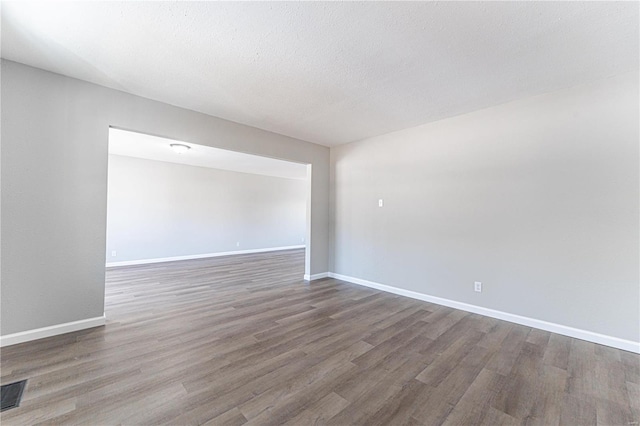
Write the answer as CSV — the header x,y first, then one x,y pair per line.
x,y
169,200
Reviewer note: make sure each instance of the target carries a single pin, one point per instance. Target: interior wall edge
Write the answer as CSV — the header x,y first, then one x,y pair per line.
x,y
50,331
55,151
589,336
537,199
199,256
314,277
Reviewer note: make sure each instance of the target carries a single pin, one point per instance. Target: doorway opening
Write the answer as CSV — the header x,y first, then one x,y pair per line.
x,y
170,200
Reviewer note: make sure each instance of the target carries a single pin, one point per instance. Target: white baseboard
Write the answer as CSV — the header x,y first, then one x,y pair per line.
x,y
590,336
54,330
197,256
316,276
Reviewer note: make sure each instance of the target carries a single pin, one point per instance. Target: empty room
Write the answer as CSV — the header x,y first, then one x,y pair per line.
x,y
320,213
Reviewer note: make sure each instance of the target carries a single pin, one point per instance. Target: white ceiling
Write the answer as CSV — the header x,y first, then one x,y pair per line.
x,y
132,144
327,72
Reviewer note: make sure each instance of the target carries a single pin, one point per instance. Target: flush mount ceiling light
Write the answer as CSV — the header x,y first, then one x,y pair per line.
x,y
180,148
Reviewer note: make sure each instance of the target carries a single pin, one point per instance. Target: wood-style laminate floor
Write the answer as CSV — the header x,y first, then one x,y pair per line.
x,y
243,340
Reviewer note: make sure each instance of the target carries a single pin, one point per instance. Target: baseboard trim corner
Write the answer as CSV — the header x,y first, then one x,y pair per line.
x,y
590,336
53,330
197,256
316,276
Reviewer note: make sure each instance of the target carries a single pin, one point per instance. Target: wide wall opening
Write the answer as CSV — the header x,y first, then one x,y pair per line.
x,y
170,200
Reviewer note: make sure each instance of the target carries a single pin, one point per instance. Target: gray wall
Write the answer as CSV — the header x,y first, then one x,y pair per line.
x,y
538,199
157,209
54,187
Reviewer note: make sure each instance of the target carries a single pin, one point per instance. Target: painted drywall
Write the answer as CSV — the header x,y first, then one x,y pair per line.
x,y
54,187
158,209
538,199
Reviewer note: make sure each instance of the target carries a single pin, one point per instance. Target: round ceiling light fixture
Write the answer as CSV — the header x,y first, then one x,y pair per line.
x,y
180,148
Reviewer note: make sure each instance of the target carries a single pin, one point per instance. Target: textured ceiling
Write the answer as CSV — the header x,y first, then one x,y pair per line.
x,y
132,144
329,72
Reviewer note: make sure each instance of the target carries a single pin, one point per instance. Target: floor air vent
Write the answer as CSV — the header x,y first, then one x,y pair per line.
x,y
11,394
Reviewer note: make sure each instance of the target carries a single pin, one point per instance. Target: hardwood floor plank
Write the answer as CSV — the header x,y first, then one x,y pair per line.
x,y
517,398
244,340
297,384
320,412
552,384
557,353
400,407
578,411
232,417
475,404
634,399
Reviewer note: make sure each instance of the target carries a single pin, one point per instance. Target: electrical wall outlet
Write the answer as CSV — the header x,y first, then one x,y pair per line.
x,y
114,253
477,286
238,244
380,202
